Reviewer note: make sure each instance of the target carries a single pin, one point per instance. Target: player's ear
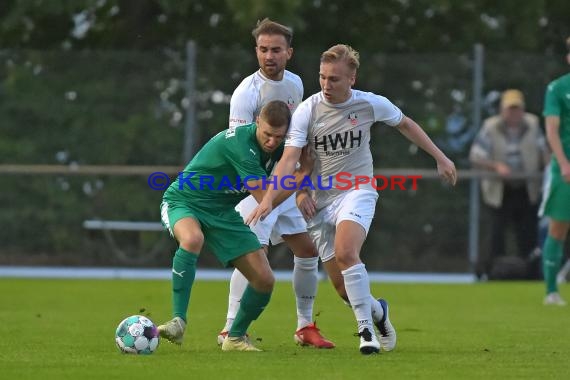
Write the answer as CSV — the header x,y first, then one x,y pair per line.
x,y
289,53
352,79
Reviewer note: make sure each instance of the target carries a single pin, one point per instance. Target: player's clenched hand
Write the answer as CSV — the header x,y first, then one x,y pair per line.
x,y
306,205
260,212
446,170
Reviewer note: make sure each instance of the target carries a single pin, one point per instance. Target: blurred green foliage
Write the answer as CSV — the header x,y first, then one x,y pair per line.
x,y
536,26
103,82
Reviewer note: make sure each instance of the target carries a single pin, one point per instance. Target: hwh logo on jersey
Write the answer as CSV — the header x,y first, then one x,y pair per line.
x,y
339,141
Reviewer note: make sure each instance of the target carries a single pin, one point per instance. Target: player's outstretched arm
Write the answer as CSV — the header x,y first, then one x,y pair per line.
x,y
413,132
285,167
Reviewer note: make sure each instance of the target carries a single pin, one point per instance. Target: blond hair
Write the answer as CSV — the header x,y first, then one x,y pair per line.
x,y
342,53
266,26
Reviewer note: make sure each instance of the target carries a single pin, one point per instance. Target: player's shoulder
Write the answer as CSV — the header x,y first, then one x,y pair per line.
x,y
369,97
314,99
292,77
562,82
246,145
249,84
240,145
245,100
243,132
237,137
383,108
310,103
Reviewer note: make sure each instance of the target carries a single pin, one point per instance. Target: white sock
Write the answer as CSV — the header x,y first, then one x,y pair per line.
x,y
305,278
357,287
377,312
238,283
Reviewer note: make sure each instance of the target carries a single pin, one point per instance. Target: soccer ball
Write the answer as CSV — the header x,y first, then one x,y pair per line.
x,y
137,335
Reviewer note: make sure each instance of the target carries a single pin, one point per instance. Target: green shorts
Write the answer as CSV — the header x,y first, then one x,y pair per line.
x,y
556,201
224,231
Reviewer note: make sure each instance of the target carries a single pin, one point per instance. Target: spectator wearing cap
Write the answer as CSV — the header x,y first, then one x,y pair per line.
x,y
509,144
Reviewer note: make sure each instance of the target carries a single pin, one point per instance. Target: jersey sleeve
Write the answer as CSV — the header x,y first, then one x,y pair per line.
x,y
243,105
298,131
385,111
300,88
551,101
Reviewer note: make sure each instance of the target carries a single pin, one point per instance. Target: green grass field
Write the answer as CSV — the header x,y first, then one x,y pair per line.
x,y
56,329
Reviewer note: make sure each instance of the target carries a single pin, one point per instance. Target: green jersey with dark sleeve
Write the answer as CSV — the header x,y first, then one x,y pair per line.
x,y
214,178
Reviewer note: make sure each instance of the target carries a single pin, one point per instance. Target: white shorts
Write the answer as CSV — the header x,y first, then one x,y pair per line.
x,y
355,205
285,219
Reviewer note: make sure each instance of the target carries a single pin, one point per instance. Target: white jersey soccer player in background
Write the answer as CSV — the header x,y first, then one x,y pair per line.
x,y
336,122
285,223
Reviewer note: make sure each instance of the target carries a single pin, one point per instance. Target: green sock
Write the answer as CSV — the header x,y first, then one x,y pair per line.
x,y
183,273
551,256
251,305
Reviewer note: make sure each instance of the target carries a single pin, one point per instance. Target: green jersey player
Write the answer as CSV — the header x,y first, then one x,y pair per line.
x,y
198,209
556,202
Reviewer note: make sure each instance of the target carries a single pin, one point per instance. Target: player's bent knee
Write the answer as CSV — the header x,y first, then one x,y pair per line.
x,y
345,261
311,251
264,282
191,243
302,245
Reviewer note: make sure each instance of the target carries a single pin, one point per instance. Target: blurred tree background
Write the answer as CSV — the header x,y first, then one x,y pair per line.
x,y
103,82
390,26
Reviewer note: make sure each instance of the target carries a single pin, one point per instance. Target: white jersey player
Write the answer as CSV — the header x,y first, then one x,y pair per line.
x,y
246,102
340,135
336,122
285,223
257,90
